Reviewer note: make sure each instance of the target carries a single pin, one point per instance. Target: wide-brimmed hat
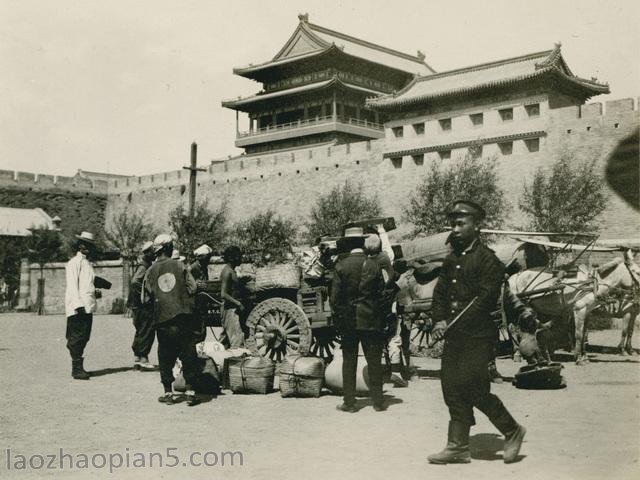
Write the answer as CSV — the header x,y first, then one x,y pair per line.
x,y
202,250
176,255
146,246
161,240
86,237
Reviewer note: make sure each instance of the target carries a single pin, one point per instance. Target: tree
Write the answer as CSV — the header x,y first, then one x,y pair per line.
x,y
344,203
265,237
568,198
206,226
12,250
470,178
127,232
44,245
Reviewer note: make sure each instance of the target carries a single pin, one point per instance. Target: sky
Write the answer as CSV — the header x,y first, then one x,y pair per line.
x,y
126,86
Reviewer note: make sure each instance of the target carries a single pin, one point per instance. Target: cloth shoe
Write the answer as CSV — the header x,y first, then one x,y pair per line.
x,y
192,398
343,407
167,398
457,449
145,365
77,370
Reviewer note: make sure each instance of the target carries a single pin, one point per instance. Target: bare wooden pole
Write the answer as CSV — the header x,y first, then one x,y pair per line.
x,y
193,172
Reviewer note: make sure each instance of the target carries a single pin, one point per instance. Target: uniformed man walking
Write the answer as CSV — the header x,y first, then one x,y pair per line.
x,y
142,313
170,287
467,292
80,302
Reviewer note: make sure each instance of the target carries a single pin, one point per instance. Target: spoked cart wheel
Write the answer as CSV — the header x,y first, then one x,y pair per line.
x,y
420,332
324,342
278,327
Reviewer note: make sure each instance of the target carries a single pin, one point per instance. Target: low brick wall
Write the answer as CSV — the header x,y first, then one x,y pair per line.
x,y
55,285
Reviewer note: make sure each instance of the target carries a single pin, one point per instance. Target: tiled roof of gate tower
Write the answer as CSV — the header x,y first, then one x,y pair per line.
x,y
489,75
310,40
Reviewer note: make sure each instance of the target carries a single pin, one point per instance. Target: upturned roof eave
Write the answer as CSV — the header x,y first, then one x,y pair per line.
x,y
389,102
235,104
250,70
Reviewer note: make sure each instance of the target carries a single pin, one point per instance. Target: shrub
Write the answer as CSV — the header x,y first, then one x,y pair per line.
x,y
265,237
568,198
469,178
344,203
208,225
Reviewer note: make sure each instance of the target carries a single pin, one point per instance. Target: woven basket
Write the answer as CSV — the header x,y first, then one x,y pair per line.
x,y
251,375
301,376
278,276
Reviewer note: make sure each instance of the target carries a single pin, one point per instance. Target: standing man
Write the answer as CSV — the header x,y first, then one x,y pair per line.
x,y
356,294
200,267
80,301
142,313
470,278
200,271
170,286
230,293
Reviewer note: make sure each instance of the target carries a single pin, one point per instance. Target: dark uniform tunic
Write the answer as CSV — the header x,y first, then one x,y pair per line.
x,y
171,288
142,314
356,294
469,344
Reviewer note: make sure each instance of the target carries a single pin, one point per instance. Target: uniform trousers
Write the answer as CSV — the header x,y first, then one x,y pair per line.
x,y
466,384
177,339
145,332
372,346
78,333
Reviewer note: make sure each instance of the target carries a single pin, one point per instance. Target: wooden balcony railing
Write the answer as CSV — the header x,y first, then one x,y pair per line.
x,y
311,122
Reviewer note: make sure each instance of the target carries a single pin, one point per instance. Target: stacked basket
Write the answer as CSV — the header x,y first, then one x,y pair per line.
x,y
251,375
301,376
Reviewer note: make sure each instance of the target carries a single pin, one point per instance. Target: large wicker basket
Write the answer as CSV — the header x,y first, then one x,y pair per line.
x,y
251,375
277,276
301,376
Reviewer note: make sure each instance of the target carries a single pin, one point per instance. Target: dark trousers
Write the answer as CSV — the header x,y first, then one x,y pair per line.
x,y
372,345
176,339
145,332
78,333
466,384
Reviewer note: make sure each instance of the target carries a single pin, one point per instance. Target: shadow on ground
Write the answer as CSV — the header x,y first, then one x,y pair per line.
x,y
485,446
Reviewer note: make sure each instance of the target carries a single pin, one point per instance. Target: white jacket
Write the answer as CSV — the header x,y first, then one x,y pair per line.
x,y
80,289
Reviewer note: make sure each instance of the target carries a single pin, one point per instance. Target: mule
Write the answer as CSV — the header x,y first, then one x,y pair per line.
x,y
582,293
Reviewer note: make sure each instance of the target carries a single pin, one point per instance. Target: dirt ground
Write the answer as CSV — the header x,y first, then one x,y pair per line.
x,y
588,430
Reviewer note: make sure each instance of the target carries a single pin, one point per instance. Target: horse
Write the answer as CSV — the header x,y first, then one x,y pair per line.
x,y
582,293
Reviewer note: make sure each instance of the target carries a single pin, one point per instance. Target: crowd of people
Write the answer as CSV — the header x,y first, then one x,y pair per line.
x,y
163,292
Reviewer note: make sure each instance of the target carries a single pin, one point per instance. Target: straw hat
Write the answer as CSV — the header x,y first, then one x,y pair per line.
x,y
86,237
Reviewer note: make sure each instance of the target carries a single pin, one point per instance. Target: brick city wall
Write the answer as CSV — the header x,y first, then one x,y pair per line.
x,y
55,284
290,182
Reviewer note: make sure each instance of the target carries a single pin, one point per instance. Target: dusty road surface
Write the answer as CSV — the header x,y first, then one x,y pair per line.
x,y
588,430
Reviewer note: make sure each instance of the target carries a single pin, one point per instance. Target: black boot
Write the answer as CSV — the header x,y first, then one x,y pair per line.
x,y
457,449
512,444
77,370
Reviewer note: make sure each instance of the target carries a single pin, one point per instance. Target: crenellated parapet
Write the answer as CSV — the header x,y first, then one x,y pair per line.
x,y
40,181
244,168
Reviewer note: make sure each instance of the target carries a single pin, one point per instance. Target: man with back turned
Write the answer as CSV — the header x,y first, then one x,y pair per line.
x,y
470,279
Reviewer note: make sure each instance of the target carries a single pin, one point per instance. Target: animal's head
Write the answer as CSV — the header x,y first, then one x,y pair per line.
x,y
632,259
